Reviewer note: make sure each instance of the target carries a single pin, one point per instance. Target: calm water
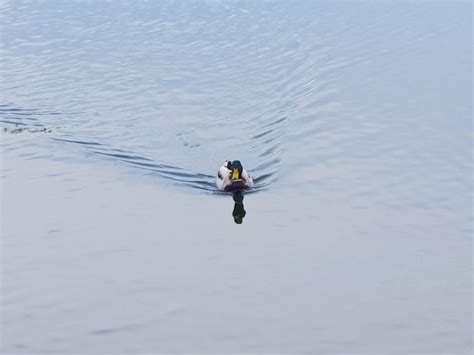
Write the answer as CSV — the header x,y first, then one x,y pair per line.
x,y
354,118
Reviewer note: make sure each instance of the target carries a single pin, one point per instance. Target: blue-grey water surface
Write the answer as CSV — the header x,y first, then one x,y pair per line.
x,y
354,118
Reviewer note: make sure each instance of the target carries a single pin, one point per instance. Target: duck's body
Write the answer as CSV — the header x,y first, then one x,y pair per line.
x,y
232,176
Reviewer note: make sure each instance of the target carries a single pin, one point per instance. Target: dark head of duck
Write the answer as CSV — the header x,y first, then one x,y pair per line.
x,y
236,168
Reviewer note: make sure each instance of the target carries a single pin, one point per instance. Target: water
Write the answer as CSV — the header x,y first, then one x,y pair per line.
x,y
354,118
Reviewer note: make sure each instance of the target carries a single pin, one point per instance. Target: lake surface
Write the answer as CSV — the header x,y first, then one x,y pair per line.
x,y
354,119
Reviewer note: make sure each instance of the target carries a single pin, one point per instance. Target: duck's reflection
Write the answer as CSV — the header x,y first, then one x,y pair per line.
x,y
239,211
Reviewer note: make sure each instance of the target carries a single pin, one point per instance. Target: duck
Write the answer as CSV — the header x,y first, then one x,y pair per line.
x,y
233,177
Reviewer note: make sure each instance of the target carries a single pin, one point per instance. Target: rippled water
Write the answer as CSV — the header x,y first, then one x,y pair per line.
x,y
354,118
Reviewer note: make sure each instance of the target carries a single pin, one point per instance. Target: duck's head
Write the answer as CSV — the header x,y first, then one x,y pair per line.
x,y
236,170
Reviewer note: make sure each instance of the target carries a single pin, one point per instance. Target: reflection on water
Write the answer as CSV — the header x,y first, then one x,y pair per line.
x,y
239,211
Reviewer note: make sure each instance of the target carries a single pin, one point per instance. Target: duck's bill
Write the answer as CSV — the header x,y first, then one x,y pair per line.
x,y
235,174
